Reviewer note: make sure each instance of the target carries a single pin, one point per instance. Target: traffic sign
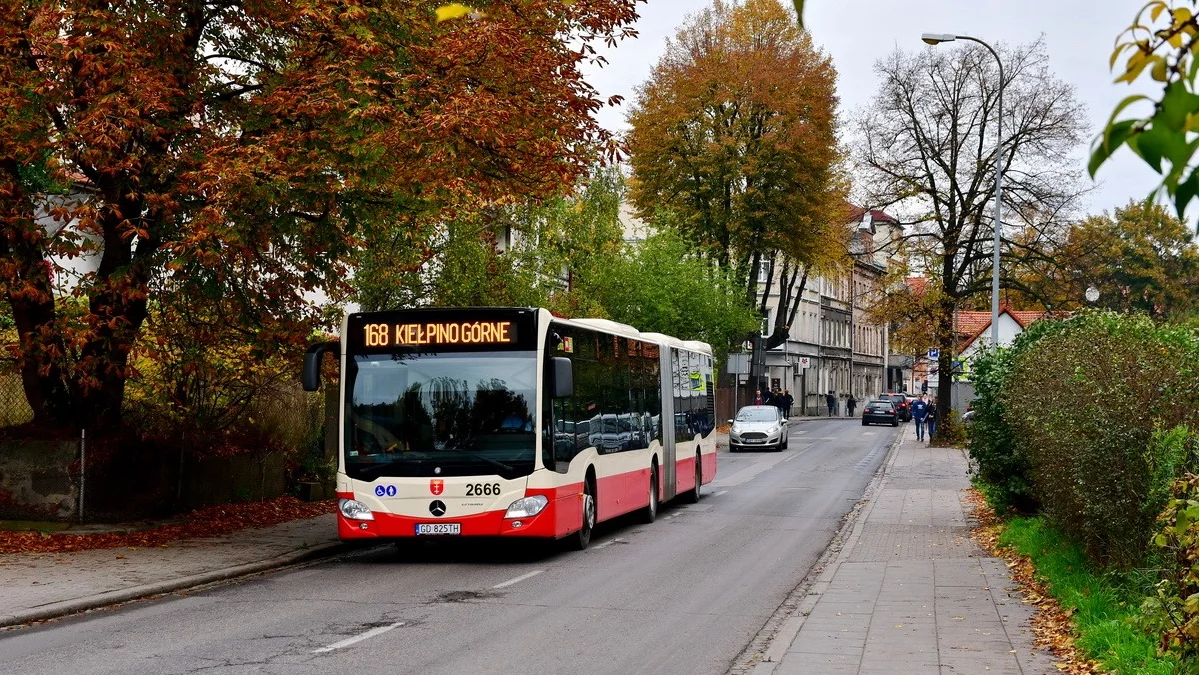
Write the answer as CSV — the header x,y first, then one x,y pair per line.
x,y
933,354
805,362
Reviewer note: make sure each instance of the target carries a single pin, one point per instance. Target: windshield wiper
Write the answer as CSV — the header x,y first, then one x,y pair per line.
x,y
371,471
461,449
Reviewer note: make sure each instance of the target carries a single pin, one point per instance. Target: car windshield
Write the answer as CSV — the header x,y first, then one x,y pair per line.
x,y
457,414
757,414
880,404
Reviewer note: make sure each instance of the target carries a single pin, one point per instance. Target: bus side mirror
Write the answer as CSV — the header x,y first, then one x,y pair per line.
x,y
311,376
562,381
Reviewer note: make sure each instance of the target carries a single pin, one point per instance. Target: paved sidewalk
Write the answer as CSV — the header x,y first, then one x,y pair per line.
x,y
910,592
47,585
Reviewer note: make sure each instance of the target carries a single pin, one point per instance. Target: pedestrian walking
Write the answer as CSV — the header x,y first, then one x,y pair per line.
x,y
931,418
831,402
920,408
787,403
780,402
850,404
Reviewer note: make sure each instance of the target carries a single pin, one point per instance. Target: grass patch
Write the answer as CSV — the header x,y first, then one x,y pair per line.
x,y
1101,604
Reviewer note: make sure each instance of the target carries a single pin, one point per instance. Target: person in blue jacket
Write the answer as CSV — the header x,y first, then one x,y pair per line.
x,y
920,408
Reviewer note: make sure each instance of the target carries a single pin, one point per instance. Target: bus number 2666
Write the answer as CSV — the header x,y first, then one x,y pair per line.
x,y
481,489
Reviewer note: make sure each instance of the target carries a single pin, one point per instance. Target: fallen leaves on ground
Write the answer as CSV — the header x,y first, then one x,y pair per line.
x,y
1051,624
209,521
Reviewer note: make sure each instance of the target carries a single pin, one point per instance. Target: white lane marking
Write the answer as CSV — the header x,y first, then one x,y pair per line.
x,y
720,493
827,438
517,580
799,431
610,542
868,433
358,638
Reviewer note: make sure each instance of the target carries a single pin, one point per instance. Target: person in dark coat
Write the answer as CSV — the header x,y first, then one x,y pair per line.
x,y
850,403
787,403
831,402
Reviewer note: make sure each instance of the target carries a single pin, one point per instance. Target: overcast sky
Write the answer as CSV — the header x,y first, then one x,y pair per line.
x,y
1079,38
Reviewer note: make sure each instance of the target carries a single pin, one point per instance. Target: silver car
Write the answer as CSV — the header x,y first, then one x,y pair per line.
x,y
758,426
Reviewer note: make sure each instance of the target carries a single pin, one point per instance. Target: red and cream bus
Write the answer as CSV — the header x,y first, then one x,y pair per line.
x,y
512,422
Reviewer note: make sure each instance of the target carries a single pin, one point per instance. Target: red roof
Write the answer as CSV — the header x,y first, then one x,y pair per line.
x,y
856,214
974,324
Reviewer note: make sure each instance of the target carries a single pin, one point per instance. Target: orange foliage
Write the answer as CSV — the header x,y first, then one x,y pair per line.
x,y
241,152
209,521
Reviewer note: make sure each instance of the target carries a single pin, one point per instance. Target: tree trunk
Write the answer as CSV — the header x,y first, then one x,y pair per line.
x,y
946,346
30,294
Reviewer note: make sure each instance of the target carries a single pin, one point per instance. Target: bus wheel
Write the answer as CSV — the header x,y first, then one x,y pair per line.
x,y
583,537
693,495
651,511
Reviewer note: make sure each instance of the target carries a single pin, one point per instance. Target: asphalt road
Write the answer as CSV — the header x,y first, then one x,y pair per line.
x,y
683,595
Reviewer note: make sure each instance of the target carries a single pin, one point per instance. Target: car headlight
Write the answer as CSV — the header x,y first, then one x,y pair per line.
x,y
526,507
354,510
735,433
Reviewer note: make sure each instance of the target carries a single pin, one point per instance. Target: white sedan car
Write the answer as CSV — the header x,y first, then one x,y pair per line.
x,y
758,426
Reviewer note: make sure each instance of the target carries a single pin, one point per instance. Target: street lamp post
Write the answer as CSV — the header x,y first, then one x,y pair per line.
x,y
938,38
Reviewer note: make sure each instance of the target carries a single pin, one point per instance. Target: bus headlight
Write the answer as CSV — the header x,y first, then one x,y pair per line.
x,y
355,510
526,507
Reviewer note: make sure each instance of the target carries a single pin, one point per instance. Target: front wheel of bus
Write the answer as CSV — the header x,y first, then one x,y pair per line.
x,y
651,511
583,537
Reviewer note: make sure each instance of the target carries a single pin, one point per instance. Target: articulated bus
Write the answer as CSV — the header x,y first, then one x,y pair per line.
x,y
512,422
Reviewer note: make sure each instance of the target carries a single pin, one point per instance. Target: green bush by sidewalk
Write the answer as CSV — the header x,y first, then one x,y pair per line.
x,y
1084,404
1105,606
1092,423
1001,464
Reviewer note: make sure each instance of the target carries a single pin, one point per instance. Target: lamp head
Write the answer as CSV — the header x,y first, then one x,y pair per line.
x,y
936,38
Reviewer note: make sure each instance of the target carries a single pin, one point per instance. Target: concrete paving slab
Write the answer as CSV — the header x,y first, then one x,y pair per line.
x,y
937,603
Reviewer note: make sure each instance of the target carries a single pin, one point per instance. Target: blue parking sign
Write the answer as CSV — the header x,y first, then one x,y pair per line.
x,y
934,354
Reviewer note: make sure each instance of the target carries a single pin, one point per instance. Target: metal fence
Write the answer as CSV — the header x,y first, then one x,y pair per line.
x,y
49,476
14,409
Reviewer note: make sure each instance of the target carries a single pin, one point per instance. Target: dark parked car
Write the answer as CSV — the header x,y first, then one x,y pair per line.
x,y
901,403
881,412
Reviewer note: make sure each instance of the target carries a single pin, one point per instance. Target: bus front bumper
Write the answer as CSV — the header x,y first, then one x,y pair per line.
x,y
486,524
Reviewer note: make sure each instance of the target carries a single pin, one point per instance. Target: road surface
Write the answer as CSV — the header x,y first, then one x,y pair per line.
x,y
683,595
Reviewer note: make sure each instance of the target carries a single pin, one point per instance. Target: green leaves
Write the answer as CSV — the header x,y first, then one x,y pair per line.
x,y
1170,132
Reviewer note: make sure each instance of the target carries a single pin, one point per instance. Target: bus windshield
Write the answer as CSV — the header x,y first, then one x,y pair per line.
x,y
449,414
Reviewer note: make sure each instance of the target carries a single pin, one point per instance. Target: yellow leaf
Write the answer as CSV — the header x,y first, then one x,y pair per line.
x,y
1159,70
454,10
1158,9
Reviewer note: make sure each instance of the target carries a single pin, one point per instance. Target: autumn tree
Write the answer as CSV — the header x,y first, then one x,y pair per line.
x,y
733,142
242,150
1142,258
924,151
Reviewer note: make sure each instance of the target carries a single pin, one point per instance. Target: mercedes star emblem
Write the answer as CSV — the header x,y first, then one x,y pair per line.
x,y
437,508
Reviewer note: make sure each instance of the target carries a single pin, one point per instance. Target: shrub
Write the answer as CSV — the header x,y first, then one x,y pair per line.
x,y
1000,461
1170,610
1085,404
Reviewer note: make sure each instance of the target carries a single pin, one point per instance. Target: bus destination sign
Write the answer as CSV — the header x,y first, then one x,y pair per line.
x,y
439,333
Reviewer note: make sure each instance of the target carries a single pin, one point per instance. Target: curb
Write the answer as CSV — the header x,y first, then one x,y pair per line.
x,y
62,608
812,591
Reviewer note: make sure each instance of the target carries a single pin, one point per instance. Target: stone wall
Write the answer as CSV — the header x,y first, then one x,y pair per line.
x,y
39,479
